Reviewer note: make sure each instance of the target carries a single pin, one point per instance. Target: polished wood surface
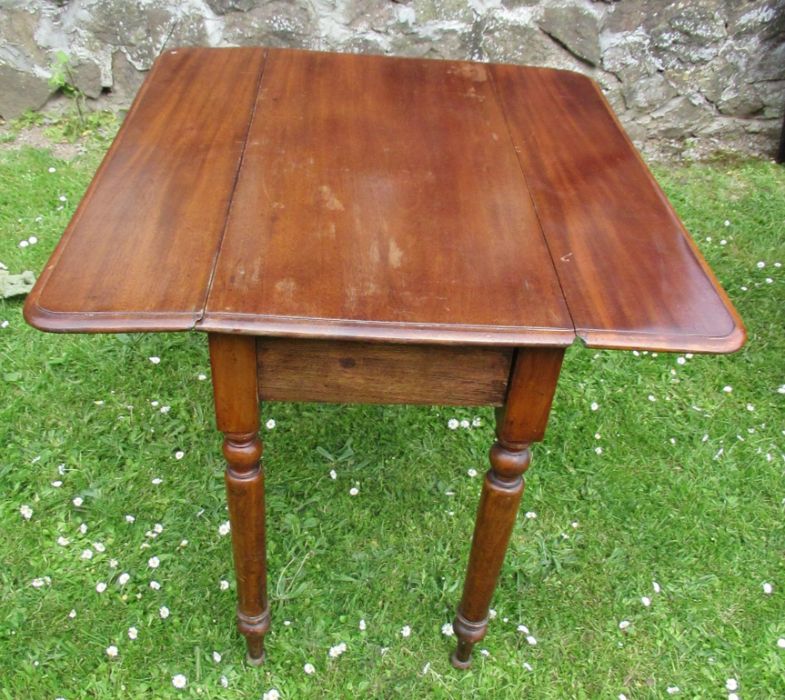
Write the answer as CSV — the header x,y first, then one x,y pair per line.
x,y
631,275
140,250
520,422
233,363
291,369
306,194
381,197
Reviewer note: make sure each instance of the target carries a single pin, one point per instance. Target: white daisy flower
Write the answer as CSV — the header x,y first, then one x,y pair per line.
x,y
179,681
406,631
224,528
337,650
26,511
309,669
163,611
111,651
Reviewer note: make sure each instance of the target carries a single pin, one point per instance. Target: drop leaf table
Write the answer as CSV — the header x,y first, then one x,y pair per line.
x,y
371,229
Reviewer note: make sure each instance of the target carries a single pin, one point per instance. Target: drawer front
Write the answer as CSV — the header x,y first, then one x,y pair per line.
x,y
292,369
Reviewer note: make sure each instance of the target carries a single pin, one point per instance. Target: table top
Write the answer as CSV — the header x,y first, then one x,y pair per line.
x,y
308,194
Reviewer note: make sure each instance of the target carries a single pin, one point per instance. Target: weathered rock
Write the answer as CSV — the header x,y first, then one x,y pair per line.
x,y
680,115
15,285
143,30
87,77
512,4
686,32
221,7
575,27
21,91
277,23
441,11
624,17
126,80
648,93
18,46
433,41
511,42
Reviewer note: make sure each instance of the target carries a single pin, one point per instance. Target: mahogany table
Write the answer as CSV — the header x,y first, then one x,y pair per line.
x,y
371,229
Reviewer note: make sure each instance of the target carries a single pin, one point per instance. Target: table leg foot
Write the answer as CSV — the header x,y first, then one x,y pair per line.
x,y
253,629
468,633
251,661
464,651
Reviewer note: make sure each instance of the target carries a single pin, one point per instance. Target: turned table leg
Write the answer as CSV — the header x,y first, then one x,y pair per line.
x,y
519,422
233,360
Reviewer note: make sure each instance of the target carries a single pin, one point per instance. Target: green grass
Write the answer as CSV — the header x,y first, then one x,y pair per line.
x,y
703,517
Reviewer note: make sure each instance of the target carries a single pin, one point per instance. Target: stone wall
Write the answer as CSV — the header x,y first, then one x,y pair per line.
x,y
686,78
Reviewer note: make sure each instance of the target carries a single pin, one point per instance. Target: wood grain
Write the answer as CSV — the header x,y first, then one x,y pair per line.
x,y
139,252
380,198
631,275
350,372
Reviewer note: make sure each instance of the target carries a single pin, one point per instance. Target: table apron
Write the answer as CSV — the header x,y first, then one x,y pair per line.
x,y
293,369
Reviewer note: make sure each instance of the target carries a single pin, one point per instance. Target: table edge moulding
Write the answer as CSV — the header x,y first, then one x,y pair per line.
x,y
372,229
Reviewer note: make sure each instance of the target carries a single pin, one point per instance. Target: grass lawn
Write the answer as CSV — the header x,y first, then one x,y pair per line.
x,y
659,472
